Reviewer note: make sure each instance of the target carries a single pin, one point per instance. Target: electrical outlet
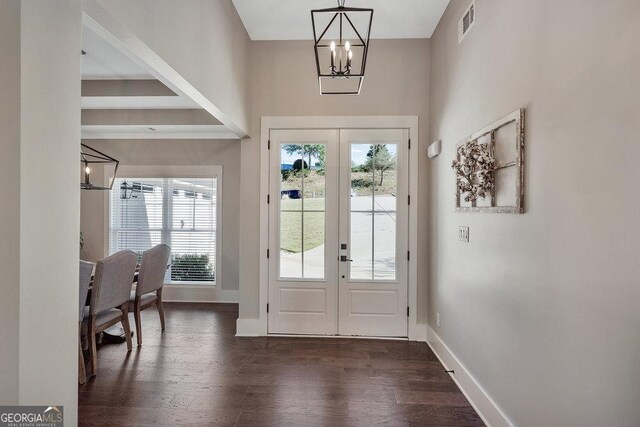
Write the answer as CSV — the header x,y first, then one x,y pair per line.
x,y
438,320
463,234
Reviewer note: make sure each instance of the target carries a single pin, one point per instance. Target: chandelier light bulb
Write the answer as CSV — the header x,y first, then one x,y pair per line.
x,y
347,46
332,46
87,169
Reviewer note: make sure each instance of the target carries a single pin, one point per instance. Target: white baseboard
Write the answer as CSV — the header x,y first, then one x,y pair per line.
x,y
484,405
419,333
249,328
198,293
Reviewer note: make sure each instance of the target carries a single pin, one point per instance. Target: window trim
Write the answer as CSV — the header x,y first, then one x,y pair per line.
x,y
173,171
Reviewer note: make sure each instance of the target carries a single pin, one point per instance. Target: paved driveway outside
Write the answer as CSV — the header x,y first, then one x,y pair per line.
x,y
362,254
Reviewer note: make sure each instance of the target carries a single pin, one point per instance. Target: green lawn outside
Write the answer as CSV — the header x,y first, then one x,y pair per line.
x,y
291,225
291,236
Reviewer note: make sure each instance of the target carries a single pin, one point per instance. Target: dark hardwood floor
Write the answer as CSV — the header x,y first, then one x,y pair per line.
x,y
198,373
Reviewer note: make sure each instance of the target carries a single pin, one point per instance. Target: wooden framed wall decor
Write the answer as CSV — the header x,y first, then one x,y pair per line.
x,y
489,168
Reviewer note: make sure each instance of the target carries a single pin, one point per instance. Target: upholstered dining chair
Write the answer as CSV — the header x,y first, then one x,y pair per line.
x,y
150,279
112,284
86,270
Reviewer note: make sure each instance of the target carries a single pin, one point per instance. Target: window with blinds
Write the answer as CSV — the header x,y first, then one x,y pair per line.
x,y
179,212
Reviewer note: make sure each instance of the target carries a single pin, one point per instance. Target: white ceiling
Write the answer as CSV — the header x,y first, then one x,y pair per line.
x,y
103,61
291,19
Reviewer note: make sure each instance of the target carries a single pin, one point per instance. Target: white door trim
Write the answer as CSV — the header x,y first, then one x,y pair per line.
x,y
416,332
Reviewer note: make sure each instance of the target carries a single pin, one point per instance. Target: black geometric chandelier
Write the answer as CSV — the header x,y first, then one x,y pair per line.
x,y
90,157
341,44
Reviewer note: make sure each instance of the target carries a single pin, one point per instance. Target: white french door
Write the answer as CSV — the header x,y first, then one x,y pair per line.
x,y
303,232
338,227
373,232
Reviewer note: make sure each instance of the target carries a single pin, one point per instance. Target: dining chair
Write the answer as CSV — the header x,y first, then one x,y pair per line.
x,y
150,279
86,270
112,284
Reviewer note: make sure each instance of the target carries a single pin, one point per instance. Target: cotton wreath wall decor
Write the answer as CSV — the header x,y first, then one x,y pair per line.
x,y
474,167
489,168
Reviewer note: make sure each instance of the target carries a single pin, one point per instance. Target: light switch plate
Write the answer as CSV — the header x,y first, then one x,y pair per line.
x,y
463,234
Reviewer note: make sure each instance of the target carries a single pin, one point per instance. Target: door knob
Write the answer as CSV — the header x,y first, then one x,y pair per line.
x,y
343,258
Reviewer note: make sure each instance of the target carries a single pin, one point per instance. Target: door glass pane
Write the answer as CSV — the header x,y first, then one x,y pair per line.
x,y
314,180
361,178
384,260
361,246
292,176
373,211
291,244
302,176
302,204
384,170
313,238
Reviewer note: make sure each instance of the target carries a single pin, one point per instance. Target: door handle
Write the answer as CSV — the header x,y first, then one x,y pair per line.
x,y
343,258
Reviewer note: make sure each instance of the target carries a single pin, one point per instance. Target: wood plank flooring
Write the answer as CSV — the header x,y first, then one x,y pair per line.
x,y
198,373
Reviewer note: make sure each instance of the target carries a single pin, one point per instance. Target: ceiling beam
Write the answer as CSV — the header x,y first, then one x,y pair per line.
x,y
156,132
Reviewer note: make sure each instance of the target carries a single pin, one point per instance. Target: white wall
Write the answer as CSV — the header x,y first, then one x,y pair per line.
x,y
542,308
284,83
225,153
10,196
203,40
40,128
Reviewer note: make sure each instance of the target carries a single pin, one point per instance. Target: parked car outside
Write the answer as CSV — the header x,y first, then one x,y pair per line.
x,y
292,194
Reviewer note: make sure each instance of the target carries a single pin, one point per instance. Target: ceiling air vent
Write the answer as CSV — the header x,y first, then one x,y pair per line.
x,y
466,22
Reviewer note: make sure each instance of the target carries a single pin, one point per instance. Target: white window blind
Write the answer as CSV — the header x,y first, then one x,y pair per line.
x,y
179,212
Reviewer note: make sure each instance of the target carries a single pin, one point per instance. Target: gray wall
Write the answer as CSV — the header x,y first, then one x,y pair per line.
x,y
10,196
225,153
542,308
284,83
